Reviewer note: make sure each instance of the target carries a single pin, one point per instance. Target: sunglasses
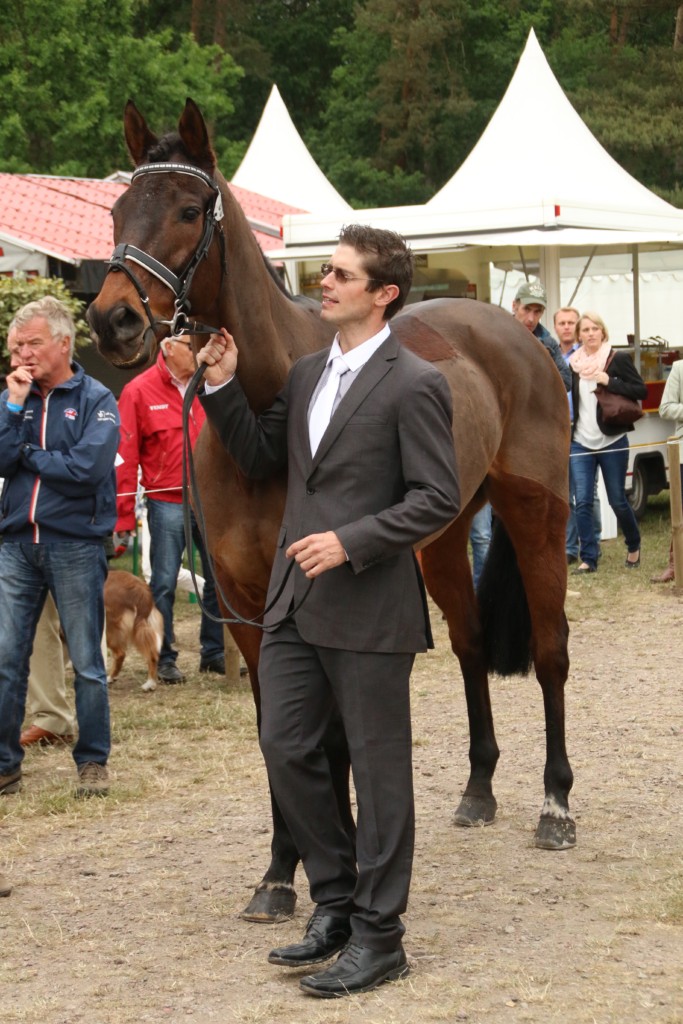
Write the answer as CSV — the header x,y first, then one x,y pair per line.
x,y
341,276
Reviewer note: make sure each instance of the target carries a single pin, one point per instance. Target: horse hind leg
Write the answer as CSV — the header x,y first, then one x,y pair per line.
x,y
448,579
535,520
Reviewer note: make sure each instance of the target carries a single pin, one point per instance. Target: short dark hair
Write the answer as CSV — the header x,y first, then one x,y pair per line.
x,y
387,258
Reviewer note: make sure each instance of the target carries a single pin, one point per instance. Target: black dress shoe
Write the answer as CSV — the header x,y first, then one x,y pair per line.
x,y
325,936
170,673
216,665
358,969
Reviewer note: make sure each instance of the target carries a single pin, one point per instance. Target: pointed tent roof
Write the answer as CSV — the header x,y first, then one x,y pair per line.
x,y
277,164
503,184
505,194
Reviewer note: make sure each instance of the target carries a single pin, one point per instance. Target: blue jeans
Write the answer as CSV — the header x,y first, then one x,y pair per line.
x,y
74,572
572,542
613,462
480,538
167,544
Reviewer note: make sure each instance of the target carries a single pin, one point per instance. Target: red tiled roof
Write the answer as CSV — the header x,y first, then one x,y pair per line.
x,y
69,218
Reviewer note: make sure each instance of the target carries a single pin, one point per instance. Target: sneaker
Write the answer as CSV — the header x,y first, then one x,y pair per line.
x,y
93,779
10,783
170,673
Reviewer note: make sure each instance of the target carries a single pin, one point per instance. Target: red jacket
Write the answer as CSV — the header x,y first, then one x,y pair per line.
x,y
151,409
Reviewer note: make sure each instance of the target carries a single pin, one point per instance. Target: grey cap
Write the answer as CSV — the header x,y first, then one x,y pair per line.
x,y
531,293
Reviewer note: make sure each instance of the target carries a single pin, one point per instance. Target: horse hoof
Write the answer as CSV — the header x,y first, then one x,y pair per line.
x,y
270,905
555,834
475,810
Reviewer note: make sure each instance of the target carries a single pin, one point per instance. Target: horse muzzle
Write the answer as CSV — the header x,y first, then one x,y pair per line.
x,y
121,335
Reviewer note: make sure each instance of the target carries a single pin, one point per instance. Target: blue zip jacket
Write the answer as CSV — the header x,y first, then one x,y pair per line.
x,y
57,456
553,346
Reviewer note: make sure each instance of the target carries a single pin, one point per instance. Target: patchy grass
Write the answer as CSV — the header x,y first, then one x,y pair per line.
x,y
124,909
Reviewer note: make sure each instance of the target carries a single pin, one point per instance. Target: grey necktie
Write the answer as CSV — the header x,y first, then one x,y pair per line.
x,y
325,401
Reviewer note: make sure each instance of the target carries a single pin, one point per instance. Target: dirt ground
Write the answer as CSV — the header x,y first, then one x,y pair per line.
x,y
125,909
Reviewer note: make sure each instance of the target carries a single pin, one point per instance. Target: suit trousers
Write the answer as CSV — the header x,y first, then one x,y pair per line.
x,y
300,684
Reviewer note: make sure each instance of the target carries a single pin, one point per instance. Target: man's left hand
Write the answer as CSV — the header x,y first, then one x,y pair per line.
x,y
317,553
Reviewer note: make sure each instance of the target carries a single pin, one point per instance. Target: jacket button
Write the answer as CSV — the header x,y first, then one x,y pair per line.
x,y
310,490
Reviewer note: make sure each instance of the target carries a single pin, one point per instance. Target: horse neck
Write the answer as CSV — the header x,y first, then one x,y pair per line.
x,y
271,332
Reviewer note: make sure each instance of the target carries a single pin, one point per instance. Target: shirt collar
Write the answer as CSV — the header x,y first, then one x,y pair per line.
x,y
358,356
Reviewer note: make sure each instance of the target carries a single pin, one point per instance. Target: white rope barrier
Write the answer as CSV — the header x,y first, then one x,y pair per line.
x,y
618,451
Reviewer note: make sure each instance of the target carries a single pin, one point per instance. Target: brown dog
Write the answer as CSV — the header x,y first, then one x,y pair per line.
x,y
132,617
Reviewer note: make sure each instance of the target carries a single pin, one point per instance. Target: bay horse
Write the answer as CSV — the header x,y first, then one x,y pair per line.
x,y
183,242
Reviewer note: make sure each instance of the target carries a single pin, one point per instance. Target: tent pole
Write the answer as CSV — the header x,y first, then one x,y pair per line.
x,y
523,262
636,307
583,274
549,267
502,290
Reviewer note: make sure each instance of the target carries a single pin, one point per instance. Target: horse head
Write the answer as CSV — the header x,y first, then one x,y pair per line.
x,y
169,243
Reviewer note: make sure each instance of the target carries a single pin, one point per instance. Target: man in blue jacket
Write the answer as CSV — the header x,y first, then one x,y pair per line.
x,y
528,308
59,433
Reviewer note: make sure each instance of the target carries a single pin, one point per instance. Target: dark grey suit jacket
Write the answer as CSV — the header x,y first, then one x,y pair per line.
x,y
383,478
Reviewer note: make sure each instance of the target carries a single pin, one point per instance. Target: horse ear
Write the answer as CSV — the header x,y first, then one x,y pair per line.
x,y
195,137
139,138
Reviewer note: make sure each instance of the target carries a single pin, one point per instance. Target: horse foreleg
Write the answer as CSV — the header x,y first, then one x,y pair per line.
x,y
448,578
275,897
535,520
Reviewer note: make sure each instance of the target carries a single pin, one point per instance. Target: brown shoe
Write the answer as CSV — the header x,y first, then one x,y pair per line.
x,y
93,779
34,734
5,887
10,783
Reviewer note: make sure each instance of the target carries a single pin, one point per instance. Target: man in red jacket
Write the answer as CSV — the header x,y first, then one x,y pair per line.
x,y
150,408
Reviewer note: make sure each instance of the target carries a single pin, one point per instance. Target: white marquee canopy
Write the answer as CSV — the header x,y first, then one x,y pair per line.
x,y
567,193
277,164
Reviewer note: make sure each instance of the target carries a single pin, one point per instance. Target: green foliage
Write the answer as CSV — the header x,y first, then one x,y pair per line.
x,y
15,292
390,96
67,69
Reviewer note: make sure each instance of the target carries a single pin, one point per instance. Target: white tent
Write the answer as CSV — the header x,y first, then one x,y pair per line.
x,y
570,193
278,165
565,180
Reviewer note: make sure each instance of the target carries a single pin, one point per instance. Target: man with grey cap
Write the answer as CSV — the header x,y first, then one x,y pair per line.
x,y
528,306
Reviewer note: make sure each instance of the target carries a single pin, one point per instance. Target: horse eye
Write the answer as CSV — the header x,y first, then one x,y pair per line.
x,y
191,214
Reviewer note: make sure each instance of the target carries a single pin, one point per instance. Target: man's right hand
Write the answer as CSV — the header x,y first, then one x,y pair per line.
x,y
19,384
220,357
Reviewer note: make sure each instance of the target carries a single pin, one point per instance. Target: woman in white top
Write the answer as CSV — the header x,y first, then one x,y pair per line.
x,y
594,443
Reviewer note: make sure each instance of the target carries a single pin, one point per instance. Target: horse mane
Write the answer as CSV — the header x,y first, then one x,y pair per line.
x,y
276,277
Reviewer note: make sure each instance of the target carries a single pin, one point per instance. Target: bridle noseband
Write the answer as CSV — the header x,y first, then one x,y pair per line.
x,y
179,284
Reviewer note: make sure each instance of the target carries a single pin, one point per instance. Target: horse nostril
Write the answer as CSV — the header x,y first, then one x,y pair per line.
x,y
125,322
119,324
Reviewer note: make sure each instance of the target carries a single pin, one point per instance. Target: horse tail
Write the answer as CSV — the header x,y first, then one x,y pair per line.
x,y
503,607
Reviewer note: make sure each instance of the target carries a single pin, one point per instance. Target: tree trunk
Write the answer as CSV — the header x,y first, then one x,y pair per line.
x,y
196,19
220,17
678,31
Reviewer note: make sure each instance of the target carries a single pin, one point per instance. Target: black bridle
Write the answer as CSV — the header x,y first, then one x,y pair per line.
x,y
180,284
180,324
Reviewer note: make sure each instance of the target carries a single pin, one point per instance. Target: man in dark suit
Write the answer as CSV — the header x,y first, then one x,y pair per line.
x,y
364,429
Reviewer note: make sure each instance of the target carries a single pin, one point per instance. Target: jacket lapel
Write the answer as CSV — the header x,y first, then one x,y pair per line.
x,y
371,374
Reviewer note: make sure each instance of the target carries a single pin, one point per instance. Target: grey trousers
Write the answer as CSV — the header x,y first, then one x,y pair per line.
x,y
300,684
